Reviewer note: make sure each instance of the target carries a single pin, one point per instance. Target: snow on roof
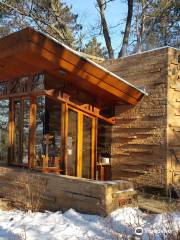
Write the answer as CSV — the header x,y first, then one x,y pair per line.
x,y
151,50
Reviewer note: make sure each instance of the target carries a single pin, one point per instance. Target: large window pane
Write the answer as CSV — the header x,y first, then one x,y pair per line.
x,y
72,142
87,147
53,132
40,131
21,130
25,134
48,132
17,130
4,120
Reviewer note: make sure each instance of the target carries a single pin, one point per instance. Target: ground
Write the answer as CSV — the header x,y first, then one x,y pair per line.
x,y
71,225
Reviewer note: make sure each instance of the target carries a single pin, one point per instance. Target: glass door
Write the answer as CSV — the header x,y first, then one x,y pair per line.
x,y
80,144
87,147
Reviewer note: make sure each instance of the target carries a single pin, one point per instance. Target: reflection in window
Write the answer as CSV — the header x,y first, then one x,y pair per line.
x,y
21,130
3,88
48,132
72,142
53,131
17,130
87,147
38,82
19,85
39,148
104,140
25,136
4,120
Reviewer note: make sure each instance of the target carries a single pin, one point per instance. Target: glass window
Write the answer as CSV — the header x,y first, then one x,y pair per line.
x,y
104,140
87,147
40,131
48,132
25,135
21,130
4,120
72,142
17,131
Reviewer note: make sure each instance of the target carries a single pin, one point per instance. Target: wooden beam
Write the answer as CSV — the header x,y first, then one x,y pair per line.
x,y
80,144
64,134
50,93
83,109
93,147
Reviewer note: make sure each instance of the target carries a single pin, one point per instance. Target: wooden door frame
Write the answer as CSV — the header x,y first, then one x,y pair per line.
x,y
80,115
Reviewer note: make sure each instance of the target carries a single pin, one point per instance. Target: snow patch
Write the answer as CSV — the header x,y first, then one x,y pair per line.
x,y
72,225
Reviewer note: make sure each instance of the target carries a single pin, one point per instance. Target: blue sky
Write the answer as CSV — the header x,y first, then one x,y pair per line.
x,y
88,16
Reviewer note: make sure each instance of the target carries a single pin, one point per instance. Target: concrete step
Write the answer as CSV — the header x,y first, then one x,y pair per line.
x,y
157,204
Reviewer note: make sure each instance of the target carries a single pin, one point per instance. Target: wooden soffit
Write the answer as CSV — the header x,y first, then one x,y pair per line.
x,y
29,51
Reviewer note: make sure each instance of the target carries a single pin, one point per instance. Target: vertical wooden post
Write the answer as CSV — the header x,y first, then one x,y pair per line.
x,y
80,144
32,132
64,134
93,148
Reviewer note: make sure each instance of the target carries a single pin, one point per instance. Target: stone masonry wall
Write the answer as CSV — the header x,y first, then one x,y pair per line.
x,y
173,122
139,138
37,191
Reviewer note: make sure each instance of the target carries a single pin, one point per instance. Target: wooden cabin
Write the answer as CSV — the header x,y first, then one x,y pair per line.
x,y
62,113
55,107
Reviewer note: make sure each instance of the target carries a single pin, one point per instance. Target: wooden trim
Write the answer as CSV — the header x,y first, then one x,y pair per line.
x,y
64,134
80,144
49,93
25,94
93,147
32,131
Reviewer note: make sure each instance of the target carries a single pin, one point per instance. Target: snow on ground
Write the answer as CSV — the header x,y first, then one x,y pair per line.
x,y
71,225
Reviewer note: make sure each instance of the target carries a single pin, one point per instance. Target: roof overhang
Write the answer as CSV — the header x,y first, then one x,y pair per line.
x,y
29,51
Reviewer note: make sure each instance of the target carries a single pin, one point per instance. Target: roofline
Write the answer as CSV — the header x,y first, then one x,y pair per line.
x,y
147,51
93,63
111,84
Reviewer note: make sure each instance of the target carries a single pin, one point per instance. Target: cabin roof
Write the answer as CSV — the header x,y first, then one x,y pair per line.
x,y
29,51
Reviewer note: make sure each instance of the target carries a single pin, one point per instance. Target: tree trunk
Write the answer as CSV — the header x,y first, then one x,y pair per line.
x,y
101,5
127,29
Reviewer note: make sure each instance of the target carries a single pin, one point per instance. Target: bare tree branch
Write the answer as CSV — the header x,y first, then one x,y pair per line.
x,y
127,29
101,5
61,33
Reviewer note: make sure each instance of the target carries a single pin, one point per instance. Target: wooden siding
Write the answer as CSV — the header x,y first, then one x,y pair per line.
x,y
139,138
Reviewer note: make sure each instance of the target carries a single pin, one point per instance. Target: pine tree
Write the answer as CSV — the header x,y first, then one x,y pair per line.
x,y
53,17
93,47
